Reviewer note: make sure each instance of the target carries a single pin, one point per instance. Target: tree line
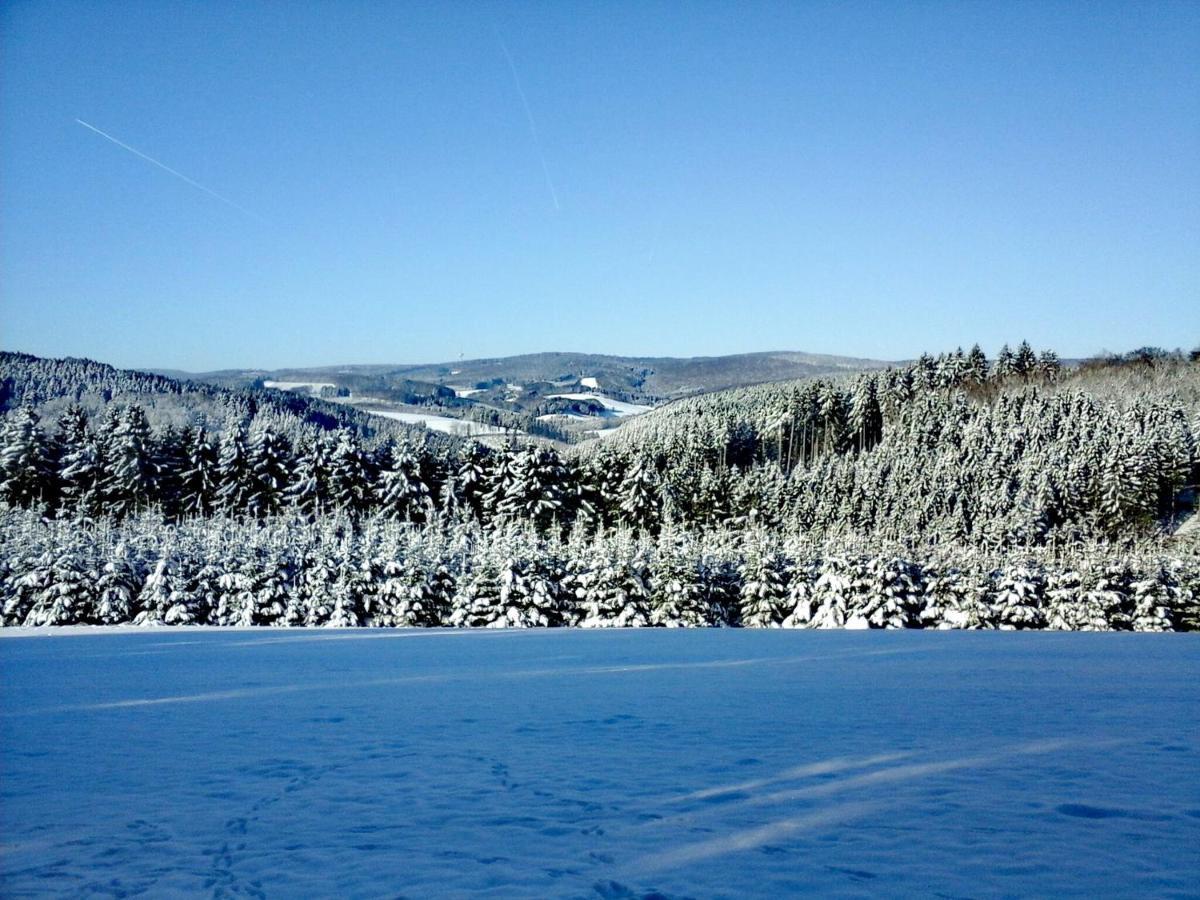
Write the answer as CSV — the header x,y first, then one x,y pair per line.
x,y
947,488
383,573
891,454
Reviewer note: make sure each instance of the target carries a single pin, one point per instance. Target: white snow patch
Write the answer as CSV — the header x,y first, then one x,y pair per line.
x,y
464,392
311,387
445,424
590,382
615,407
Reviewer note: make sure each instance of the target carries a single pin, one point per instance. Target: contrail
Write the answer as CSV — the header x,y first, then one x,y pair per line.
x,y
165,168
537,142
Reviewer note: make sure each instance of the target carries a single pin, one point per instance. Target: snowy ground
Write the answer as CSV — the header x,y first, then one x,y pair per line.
x,y
613,407
599,764
308,387
446,424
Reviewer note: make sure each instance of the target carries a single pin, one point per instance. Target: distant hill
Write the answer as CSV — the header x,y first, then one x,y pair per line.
x,y
51,384
635,379
539,392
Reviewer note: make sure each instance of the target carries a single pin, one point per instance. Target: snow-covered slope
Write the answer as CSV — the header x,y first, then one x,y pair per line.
x,y
460,427
307,387
602,764
614,407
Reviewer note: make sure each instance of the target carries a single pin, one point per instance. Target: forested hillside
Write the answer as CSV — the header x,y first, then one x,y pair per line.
x,y
956,491
49,386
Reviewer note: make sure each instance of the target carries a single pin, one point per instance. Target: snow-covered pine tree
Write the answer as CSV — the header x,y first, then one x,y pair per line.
x,y
273,587
348,488
639,496
609,582
476,600
800,604
309,488
400,492
471,474
541,497
165,597
1018,597
199,476
1005,365
1048,366
79,464
955,596
236,599
24,459
893,597
765,583
116,587
63,587
128,464
234,483
1156,597
346,590
268,460
498,485
677,596
1025,360
838,591
976,371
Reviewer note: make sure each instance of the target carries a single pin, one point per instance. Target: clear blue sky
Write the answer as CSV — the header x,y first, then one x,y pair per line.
x,y
872,179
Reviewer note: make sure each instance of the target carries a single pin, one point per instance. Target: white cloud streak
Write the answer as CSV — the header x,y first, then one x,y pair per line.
x,y
533,130
168,169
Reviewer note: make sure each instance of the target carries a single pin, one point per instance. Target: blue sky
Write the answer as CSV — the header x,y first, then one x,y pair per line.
x,y
871,179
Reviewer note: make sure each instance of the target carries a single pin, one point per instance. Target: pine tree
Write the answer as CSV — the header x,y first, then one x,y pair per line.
x,y
676,593
309,490
1005,365
477,600
609,583
639,501
400,492
79,464
976,372
893,595
765,576
348,484
1025,360
268,460
62,589
1018,597
1048,366
116,588
24,459
165,598
471,475
199,476
234,484
955,595
128,464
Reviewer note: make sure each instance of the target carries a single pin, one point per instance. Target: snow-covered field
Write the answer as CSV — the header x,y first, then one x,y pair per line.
x,y
604,764
614,407
308,387
446,424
